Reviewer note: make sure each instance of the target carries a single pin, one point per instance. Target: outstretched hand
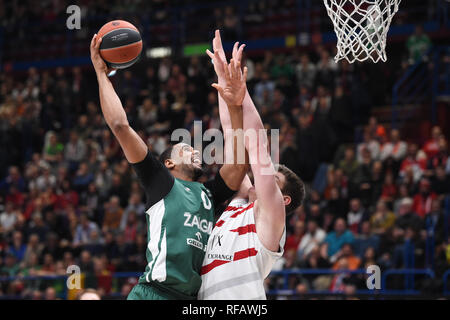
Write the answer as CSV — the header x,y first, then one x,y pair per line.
x,y
235,82
216,59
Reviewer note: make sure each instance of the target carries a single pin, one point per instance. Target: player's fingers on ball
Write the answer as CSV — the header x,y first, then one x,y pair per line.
x,y
99,41
93,40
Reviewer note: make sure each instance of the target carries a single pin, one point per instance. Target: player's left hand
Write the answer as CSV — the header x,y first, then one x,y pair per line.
x,y
217,60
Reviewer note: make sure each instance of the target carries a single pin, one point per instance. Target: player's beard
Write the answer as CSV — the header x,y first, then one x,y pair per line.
x,y
192,171
198,172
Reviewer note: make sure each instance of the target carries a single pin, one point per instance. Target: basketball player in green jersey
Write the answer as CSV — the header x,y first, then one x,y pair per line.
x,y
180,211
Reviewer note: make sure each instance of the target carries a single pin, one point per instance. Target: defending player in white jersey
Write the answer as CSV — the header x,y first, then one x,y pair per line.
x,y
250,234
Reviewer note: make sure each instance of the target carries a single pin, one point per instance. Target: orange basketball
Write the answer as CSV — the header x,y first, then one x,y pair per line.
x,y
121,44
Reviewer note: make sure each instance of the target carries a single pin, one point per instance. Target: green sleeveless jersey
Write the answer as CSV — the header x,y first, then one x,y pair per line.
x,y
180,217
179,226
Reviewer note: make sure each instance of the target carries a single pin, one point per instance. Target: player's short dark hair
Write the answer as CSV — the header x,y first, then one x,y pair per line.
x,y
293,187
167,154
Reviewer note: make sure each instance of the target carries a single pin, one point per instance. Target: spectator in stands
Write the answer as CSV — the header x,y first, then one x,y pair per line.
x,y
10,267
340,116
91,294
264,89
415,161
395,148
113,214
75,150
46,180
435,222
14,178
48,265
439,158
389,188
38,226
337,238
431,146
370,144
326,70
382,220
356,216
346,253
82,177
7,218
349,164
130,229
293,240
418,45
363,176
423,199
305,71
366,239
147,113
53,152
86,264
318,257
33,249
83,231
230,23
440,183
406,217
313,237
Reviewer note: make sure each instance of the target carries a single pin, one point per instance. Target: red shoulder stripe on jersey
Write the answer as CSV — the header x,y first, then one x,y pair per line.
x,y
220,223
231,208
245,254
234,215
207,268
245,229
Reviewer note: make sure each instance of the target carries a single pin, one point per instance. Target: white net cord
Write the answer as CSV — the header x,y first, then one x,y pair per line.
x,y
361,27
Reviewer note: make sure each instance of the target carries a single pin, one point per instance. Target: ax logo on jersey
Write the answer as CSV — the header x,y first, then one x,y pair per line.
x,y
216,241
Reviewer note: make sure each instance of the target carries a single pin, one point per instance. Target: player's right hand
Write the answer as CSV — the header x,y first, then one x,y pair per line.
x,y
234,88
99,64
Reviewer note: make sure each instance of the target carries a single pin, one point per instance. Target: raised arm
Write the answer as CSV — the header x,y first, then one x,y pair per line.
x,y
132,145
231,86
218,58
270,220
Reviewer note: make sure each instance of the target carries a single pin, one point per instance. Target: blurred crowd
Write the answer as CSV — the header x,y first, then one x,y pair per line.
x,y
69,197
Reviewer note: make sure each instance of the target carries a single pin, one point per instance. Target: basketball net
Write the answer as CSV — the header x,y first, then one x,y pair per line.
x,y
361,27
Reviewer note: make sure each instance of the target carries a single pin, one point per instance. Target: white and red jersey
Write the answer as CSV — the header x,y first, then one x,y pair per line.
x,y
236,263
